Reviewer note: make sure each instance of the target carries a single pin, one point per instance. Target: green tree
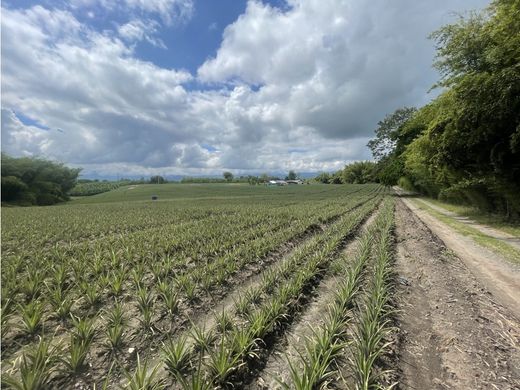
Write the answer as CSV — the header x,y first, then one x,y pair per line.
x,y
30,180
157,179
324,178
228,176
475,136
291,175
465,144
360,172
387,132
12,188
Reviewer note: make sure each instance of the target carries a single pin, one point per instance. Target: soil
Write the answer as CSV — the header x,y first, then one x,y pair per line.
x,y
493,271
453,333
292,342
487,230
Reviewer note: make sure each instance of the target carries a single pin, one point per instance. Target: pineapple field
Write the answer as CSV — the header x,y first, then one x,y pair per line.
x,y
214,286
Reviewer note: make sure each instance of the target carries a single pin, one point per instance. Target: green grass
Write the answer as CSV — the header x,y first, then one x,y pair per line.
x,y
495,221
496,245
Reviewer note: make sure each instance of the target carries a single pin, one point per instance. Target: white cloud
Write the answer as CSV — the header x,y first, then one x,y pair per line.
x,y
141,30
169,11
297,89
337,66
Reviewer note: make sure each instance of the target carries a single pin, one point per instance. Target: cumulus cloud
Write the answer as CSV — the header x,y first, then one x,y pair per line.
x,y
336,65
300,88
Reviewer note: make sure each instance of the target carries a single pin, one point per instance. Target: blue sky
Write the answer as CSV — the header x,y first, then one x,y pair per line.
x,y
197,87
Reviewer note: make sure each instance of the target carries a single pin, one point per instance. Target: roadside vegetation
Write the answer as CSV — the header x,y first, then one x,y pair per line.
x,y
464,146
509,252
496,221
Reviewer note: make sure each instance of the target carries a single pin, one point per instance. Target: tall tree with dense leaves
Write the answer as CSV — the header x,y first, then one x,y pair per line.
x,y
476,136
465,144
387,132
228,176
29,180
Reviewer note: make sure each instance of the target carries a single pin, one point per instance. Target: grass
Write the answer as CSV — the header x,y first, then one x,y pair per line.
x,y
495,221
496,245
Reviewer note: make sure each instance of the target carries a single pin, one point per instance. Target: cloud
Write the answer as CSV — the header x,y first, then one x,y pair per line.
x,y
111,106
300,88
170,11
337,66
141,30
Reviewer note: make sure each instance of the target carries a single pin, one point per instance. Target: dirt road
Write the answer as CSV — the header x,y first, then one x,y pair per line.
x,y
456,330
495,273
487,230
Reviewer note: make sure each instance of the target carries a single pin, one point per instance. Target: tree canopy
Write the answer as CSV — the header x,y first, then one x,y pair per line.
x,y
465,144
157,179
228,176
31,180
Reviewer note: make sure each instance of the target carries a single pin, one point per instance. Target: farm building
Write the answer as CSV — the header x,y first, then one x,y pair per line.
x,y
277,183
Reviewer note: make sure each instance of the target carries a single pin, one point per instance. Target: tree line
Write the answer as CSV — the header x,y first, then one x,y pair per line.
x,y
464,146
36,181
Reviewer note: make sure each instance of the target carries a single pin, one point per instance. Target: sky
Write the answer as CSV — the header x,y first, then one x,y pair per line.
x,y
197,87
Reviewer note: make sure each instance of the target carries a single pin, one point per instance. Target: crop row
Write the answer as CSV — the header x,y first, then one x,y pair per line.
x,y
36,227
216,357
329,345
152,279
91,282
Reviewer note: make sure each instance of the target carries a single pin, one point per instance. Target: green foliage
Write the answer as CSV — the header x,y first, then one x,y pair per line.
x,y
176,354
12,188
228,176
37,366
144,377
465,145
388,132
28,181
360,172
157,180
324,178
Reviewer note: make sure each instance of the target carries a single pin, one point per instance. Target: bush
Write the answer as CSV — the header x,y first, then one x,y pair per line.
x,y
27,181
12,187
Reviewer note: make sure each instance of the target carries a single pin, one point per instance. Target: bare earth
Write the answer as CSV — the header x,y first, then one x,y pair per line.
x,y
494,272
459,309
498,234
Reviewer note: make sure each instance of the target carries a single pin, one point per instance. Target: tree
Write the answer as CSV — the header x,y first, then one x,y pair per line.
x,y
228,176
264,178
157,180
465,144
360,172
387,132
12,187
323,178
253,180
31,180
291,176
